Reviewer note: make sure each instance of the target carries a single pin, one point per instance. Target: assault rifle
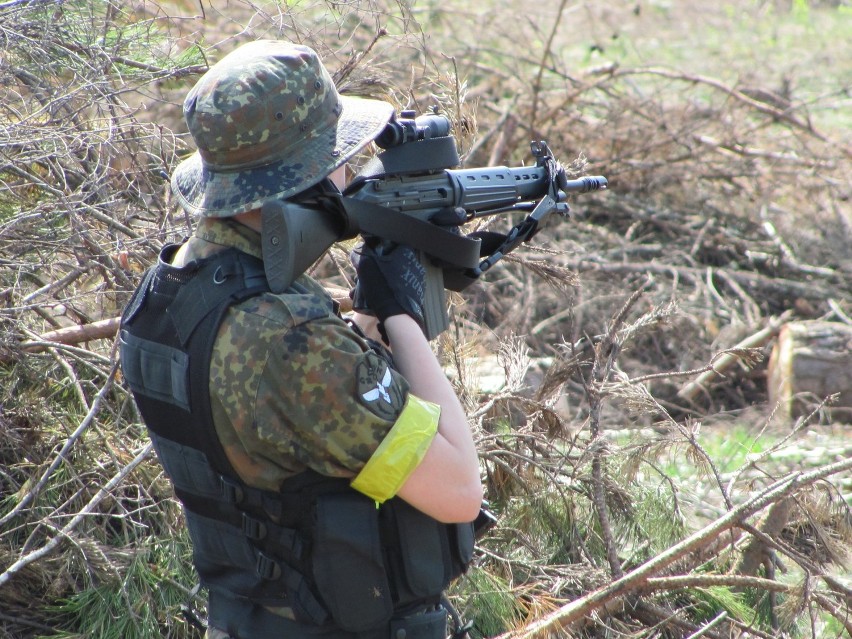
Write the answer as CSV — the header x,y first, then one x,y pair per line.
x,y
410,194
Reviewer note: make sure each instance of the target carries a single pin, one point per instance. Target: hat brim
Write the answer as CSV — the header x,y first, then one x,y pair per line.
x,y
207,192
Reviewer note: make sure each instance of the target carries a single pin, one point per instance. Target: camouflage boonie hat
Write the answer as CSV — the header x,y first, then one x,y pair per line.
x,y
268,123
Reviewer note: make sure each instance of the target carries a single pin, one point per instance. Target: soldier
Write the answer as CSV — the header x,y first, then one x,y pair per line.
x,y
328,486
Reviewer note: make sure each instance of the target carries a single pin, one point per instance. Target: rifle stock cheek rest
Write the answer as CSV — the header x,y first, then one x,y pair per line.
x,y
294,237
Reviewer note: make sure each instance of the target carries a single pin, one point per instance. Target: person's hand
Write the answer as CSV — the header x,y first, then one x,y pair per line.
x,y
391,281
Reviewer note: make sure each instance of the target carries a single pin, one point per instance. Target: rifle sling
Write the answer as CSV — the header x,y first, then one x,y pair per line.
x,y
439,243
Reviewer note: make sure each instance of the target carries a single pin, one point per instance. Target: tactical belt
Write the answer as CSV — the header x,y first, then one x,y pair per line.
x,y
241,619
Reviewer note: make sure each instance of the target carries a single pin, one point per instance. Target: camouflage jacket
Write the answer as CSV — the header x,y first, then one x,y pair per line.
x,y
293,386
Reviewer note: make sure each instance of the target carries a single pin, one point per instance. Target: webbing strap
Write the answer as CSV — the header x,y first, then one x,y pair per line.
x,y
216,282
434,154
437,242
284,543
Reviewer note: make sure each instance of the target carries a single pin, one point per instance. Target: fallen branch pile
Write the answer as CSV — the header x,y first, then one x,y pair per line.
x,y
620,333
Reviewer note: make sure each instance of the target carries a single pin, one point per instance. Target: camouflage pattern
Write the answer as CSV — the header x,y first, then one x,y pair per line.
x,y
268,123
288,376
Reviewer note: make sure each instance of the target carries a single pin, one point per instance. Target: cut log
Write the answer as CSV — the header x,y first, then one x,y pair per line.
x,y
107,328
811,361
731,358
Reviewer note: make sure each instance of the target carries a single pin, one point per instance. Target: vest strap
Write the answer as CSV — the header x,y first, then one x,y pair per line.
x,y
217,281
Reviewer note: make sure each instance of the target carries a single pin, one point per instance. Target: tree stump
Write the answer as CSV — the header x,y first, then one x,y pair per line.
x,y
811,361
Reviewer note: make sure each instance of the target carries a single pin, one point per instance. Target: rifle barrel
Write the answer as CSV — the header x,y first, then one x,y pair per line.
x,y
585,184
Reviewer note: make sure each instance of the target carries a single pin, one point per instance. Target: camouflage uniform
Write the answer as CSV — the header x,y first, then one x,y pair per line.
x,y
289,393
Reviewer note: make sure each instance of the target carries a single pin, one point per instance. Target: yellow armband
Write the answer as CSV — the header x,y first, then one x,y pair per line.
x,y
400,452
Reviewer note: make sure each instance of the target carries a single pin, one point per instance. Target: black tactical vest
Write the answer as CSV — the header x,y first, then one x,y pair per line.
x,y
318,547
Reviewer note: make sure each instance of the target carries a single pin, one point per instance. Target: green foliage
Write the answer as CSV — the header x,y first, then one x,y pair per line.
x,y
546,523
656,522
143,602
801,10
488,600
730,447
710,600
114,33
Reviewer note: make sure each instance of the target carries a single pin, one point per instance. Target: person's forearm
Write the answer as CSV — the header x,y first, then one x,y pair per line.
x,y
414,358
452,456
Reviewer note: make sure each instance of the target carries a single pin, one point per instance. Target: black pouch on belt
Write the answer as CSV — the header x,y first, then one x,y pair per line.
x,y
347,560
426,625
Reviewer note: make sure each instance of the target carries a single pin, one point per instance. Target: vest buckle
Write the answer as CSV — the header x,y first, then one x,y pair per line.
x,y
267,567
232,492
253,528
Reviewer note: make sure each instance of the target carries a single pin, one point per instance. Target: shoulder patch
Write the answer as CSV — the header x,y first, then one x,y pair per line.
x,y
377,389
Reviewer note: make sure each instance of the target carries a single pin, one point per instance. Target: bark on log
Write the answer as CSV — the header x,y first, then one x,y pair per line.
x,y
102,329
811,361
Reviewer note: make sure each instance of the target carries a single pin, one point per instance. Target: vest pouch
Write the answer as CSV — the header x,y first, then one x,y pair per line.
x,y
187,468
462,541
423,551
426,625
222,555
347,560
